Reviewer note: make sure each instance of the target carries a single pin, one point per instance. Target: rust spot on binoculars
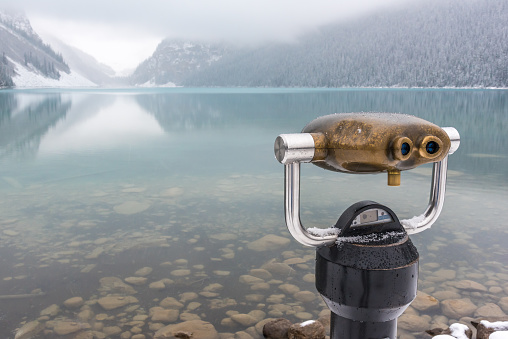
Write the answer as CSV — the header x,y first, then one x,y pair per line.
x,y
376,142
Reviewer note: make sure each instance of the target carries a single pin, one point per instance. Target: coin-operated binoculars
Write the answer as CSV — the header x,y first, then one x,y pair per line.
x,y
366,265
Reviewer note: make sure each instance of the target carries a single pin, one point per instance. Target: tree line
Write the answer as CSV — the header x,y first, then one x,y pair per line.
x,y
435,44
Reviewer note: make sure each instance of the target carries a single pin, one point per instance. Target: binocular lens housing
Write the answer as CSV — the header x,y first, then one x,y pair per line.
x,y
405,148
432,147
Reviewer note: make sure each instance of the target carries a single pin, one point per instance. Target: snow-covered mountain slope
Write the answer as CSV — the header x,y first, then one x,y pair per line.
x,y
83,63
26,61
28,78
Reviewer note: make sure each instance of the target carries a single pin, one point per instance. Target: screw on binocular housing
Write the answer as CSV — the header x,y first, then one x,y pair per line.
x,y
366,265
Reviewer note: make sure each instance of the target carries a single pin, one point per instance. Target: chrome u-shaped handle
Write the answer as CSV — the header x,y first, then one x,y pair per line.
x,y
292,149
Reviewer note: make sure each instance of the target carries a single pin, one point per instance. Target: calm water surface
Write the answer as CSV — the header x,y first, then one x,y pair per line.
x,y
101,183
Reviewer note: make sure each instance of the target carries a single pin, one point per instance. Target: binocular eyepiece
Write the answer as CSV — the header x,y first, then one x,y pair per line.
x,y
368,143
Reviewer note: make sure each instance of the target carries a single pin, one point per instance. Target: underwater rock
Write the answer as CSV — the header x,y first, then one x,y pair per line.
x,y
171,302
74,302
278,268
172,192
85,315
442,275
213,287
159,314
310,329
309,277
457,308
185,316
424,302
221,273
95,253
268,242
188,296
469,285
51,310
277,329
131,207
444,295
413,322
112,330
289,288
112,302
157,285
294,261
260,286
143,272
244,319
489,310
199,329
134,190
114,284
243,335
257,314
138,281
29,330
223,236
260,273
63,327
193,306
503,303
249,279
180,272
305,296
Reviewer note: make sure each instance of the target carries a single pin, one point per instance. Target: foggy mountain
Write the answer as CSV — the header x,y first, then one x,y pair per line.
x,y
84,63
431,44
174,60
25,60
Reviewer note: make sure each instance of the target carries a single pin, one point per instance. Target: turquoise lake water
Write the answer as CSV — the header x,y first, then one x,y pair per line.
x,y
101,183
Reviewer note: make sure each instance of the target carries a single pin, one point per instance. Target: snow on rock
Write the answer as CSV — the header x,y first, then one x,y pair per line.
x,y
308,322
27,78
497,326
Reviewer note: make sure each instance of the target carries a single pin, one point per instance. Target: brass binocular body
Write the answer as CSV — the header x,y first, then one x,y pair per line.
x,y
372,143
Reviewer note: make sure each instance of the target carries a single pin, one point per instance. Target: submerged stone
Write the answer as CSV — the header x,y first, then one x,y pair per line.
x,y
458,308
268,242
74,302
136,280
114,284
29,330
66,327
143,272
112,302
131,207
424,302
199,329
51,310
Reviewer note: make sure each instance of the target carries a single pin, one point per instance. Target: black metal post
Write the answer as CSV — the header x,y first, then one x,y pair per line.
x,y
369,277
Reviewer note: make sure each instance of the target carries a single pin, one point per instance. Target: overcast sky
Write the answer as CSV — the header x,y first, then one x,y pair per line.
x,y
122,33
